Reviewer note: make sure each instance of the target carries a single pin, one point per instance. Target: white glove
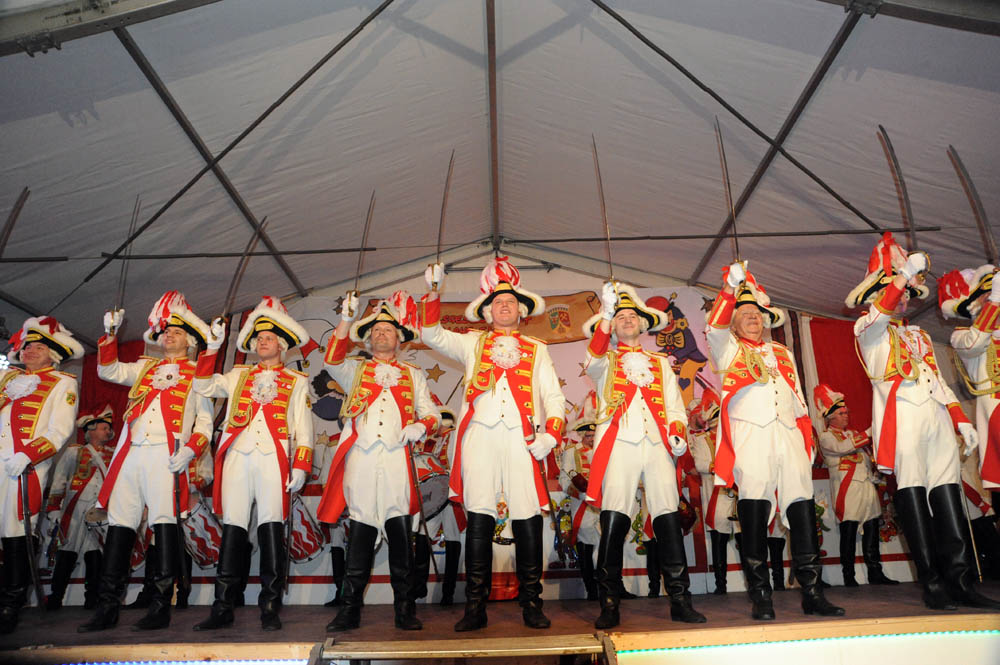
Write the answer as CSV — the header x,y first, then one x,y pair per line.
x,y
434,275
179,461
968,432
113,321
542,445
995,290
349,308
677,445
216,334
916,263
737,274
53,516
609,300
16,465
413,432
296,482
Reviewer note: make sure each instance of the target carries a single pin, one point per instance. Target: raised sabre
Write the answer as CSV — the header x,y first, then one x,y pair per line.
x,y
234,285
978,212
444,206
724,165
904,198
123,271
604,211
364,246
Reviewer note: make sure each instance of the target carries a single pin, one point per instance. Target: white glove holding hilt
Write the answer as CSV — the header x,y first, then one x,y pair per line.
x,y
349,307
16,465
542,446
609,300
113,321
994,296
737,274
916,263
413,432
434,275
677,445
970,436
296,482
178,462
216,334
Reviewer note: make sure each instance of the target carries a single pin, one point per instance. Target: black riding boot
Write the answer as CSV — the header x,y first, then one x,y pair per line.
x,y
421,565
478,571
776,559
452,557
337,563
115,569
357,571
61,572
148,590
870,552
585,557
753,525
528,565
987,539
610,552
183,593
951,532
848,543
805,554
720,560
92,561
652,568
166,565
16,580
241,588
273,555
227,577
673,566
915,518
401,572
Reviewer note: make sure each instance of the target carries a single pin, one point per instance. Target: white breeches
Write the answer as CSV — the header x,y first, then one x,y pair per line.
x,y
143,480
249,478
495,463
377,484
926,446
771,459
630,462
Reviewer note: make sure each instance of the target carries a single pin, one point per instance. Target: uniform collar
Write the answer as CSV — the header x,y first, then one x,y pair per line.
x,y
626,348
750,342
496,332
277,368
44,370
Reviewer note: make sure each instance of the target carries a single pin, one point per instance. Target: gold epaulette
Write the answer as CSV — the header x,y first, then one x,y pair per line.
x,y
295,371
534,339
65,374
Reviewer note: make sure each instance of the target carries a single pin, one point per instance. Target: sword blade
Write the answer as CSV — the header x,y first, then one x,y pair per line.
x,y
724,165
901,193
604,210
123,271
978,212
364,242
234,286
444,203
30,538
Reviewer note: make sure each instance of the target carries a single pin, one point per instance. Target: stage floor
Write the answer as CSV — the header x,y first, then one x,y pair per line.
x,y
52,638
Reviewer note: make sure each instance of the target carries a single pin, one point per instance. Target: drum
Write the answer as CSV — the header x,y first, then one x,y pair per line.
x,y
432,479
202,535
307,538
96,520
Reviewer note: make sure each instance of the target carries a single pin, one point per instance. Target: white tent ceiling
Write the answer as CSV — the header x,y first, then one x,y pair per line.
x,y
85,129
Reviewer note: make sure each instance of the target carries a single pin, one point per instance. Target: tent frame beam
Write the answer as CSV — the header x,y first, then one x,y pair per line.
x,y
175,110
850,22
981,16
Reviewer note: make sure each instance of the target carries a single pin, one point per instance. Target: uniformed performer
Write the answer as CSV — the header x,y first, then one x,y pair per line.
x,y
511,419
915,417
262,457
641,422
975,295
37,415
765,443
76,482
852,484
388,408
718,502
167,425
574,474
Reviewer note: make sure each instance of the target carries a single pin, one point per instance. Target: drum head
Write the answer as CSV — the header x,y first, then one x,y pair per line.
x,y
95,516
434,494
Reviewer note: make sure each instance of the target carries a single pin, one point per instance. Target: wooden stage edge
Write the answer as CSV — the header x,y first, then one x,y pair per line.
x,y
49,638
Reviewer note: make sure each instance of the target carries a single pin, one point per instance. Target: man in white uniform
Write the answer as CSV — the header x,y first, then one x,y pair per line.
x,y
37,412
915,418
765,441
852,484
641,422
263,455
512,391
387,409
167,425
76,482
